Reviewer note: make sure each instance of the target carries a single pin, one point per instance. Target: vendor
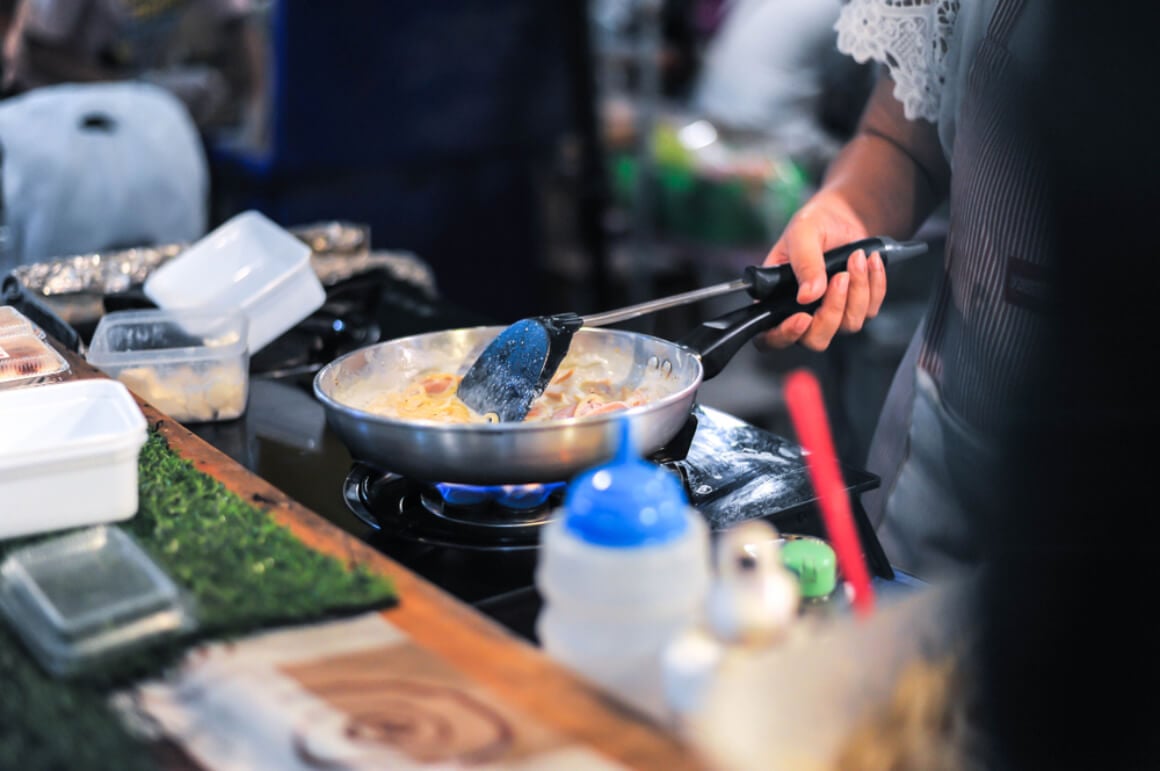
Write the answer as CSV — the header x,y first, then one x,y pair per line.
x,y
86,41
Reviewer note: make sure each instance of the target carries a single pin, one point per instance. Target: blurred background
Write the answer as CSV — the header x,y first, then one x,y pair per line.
x,y
538,156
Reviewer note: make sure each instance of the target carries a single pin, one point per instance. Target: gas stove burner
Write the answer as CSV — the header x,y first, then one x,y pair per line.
x,y
501,517
402,508
493,505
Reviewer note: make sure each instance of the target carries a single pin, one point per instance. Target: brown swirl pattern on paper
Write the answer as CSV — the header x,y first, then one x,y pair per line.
x,y
426,723
402,703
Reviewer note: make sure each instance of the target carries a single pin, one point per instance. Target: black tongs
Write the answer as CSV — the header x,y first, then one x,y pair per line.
x,y
518,364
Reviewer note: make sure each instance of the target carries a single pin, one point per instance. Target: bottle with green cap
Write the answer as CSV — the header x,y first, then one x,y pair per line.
x,y
623,568
815,564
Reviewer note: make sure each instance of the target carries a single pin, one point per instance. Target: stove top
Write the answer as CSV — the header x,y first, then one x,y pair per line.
x,y
410,511
485,556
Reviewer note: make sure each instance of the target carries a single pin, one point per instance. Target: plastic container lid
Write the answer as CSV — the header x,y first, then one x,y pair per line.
x,y
249,263
13,322
626,503
88,595
26,356
815,564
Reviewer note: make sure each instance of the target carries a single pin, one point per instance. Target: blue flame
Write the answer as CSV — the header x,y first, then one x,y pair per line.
x,y
520,497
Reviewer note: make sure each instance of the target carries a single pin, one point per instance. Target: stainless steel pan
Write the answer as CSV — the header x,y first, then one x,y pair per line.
x,y
548,451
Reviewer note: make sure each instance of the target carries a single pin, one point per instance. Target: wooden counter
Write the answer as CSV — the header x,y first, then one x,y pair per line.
x,y
518,674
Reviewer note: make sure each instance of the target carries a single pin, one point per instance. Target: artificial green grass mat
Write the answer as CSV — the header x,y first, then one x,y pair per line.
x,y
244,572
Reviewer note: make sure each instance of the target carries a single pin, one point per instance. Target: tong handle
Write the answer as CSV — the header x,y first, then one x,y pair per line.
x,y
765,282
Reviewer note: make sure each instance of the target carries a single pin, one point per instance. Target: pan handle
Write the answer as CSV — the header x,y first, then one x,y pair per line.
x,y
718,340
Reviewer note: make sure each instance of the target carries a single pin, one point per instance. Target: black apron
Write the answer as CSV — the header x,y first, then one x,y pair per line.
x,y
964,380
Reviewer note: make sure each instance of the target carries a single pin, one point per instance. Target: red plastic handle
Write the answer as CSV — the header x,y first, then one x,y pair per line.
x,y
803,396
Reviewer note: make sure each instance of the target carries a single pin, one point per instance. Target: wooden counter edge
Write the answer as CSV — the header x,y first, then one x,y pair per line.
x,y
486,652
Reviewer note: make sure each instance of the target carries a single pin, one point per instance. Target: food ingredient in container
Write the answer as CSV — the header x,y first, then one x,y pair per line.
x,y
68,455
83,597
248,263
25,357
191,364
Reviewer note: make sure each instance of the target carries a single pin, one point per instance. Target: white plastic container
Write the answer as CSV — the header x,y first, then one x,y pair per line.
x,y
191,364
68,455
249,263
623,570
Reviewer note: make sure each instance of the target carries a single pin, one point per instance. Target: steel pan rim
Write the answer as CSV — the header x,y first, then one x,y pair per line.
x,y
539,426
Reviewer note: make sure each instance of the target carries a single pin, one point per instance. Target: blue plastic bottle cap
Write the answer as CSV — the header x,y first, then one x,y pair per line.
x,y
628,502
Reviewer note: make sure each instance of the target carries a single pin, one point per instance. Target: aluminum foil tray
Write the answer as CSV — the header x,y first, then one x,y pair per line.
x,y
74,285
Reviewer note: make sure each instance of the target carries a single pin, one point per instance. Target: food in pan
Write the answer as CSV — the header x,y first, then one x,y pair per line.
x,y
581,387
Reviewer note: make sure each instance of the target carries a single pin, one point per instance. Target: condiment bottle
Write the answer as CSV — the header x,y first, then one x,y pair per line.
x,y
623,568
754,599
752,605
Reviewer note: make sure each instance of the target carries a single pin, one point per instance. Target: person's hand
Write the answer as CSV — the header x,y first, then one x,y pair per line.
x,y
848,298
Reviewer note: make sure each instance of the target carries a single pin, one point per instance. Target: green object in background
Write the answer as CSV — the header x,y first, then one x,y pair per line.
x,y
727,211
784,193
669,151
815,564
245,573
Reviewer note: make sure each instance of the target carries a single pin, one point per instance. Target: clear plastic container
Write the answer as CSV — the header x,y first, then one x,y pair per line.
x,y
191,364
80,598
68,455
13,322
248,263
26,358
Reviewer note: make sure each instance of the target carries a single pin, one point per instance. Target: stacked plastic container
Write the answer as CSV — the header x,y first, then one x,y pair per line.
x,y
68,450
69,454
80,599
25,357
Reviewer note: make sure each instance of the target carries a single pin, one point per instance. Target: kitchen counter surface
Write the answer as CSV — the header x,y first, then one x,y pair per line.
x,y
492,663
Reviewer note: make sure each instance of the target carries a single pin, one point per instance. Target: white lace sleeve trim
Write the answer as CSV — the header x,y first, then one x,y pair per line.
x,y
909,37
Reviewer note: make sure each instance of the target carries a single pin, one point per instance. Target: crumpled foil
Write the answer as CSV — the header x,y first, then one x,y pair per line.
x,y
74,285
97,273
402,266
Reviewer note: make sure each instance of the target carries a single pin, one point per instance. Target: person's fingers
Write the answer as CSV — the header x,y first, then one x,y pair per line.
x,y
877,284
858,295
787,332
803,246
828,316
777,254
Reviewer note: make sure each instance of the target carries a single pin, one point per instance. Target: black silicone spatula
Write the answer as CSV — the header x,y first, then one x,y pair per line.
x,y
518,364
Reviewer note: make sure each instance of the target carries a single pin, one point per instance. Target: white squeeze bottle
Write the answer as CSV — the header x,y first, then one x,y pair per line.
x,y
623,569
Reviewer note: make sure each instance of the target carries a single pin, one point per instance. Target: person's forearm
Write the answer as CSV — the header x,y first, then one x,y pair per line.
x,y
892,173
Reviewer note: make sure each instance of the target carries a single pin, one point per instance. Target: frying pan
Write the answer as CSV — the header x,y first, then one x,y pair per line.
x,y
529,452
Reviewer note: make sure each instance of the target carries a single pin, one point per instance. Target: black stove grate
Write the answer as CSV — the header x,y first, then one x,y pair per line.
x,y
417,511
404,509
